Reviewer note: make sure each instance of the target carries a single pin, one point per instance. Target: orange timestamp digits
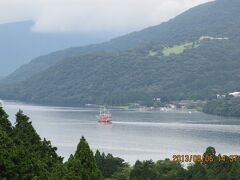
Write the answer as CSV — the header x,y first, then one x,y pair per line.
x,y
192,158
231,158
203,158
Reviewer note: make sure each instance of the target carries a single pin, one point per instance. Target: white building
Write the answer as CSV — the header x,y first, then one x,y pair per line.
x,y
221,96
202,38
235,94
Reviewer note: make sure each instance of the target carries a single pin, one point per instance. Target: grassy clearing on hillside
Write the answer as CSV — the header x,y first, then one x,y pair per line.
x,y
152,53
178,49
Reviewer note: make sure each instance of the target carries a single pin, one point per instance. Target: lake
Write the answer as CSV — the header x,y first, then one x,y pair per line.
x,y
133,134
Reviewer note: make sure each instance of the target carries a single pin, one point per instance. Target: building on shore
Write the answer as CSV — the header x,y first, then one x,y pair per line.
x,y
235,94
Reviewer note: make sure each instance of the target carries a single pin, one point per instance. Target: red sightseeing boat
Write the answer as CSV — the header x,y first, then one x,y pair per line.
x,y
104,116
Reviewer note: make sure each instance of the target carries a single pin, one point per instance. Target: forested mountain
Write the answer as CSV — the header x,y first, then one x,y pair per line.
x,y
19,44
193,56
207,19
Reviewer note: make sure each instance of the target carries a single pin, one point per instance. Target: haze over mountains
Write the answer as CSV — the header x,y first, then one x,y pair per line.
x,y
193,56
19,44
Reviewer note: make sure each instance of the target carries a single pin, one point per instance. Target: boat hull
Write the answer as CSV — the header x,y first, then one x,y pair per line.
x,y
104,118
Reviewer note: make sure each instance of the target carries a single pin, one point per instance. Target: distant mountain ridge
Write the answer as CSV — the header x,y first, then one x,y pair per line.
x,y
166,61
19,44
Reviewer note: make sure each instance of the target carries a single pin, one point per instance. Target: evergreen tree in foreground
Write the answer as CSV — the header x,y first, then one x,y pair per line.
x,y
7,155
83,165
111,166
7,147
5,124
23,155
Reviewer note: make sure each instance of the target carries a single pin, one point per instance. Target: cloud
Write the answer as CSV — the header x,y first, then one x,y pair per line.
x,y
93,15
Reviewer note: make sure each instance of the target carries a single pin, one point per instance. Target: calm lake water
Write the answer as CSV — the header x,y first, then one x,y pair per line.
x,y
133,135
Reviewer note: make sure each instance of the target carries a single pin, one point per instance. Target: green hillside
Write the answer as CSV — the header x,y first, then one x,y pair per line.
x,y
219,18
166,61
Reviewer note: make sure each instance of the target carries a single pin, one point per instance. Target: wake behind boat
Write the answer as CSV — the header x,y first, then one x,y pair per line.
x,y
104,116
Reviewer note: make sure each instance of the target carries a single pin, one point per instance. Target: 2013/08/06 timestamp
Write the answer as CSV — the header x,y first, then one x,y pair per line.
x,y
204,158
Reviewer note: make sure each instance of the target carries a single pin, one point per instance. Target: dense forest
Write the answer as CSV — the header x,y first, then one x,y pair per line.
x,y
24,155
134,76
229,106
171,61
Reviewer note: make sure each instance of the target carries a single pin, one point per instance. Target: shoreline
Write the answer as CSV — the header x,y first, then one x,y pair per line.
x,y
166,109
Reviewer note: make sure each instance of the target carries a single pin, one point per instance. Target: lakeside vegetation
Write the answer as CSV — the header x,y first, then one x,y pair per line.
x,y
24,155
229,106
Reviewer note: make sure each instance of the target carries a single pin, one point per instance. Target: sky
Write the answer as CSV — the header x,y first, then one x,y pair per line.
x,y
93,15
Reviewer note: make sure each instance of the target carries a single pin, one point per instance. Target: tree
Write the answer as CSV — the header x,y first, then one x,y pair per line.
x,y
167,169
23,155
83,165
100,161
143,171
5,124
109,164
24,132
7,155
197,171
122,174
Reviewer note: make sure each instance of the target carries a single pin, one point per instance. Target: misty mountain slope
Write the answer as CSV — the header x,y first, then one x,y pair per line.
x,y
208,67
207,19
19,44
